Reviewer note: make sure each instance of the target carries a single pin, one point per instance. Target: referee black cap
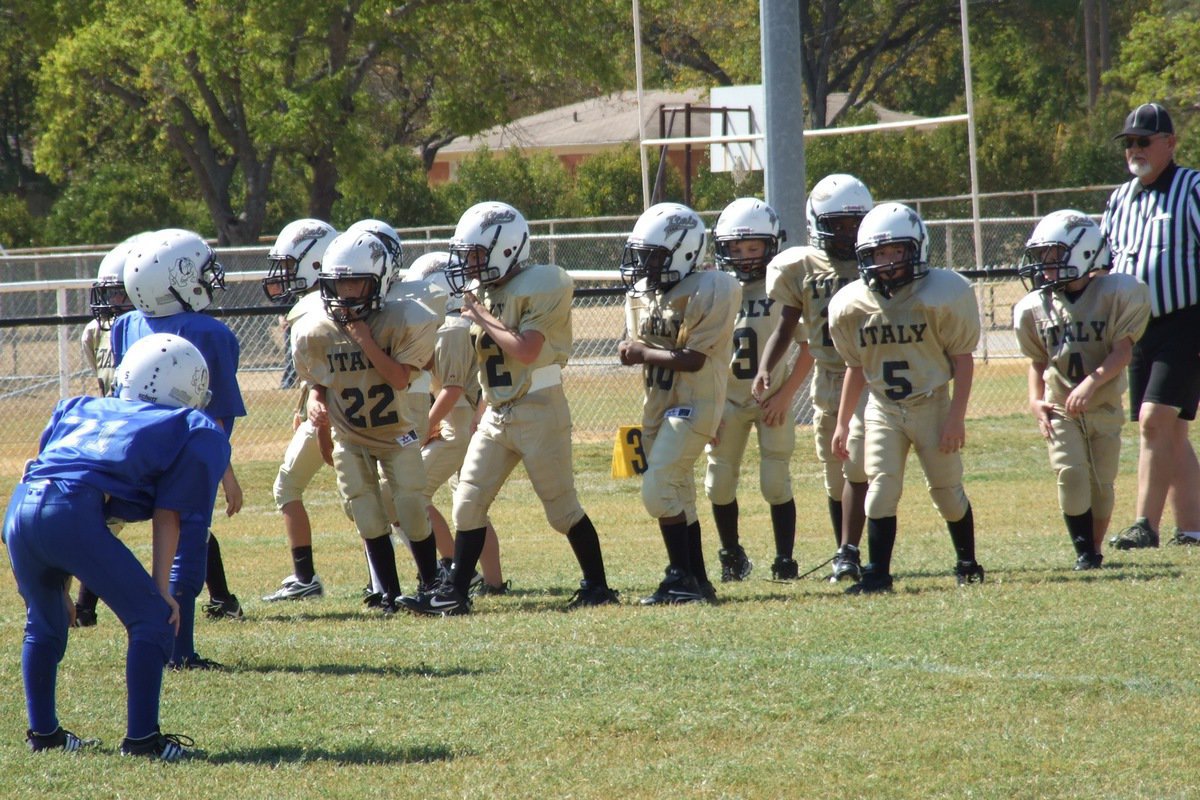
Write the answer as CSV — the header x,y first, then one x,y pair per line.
x,y
1147,119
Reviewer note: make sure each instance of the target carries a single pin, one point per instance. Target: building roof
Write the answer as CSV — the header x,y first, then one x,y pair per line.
x,y
613,120
608,120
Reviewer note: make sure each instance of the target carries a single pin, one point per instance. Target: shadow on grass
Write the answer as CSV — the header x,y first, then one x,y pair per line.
x,y
414,670
367,754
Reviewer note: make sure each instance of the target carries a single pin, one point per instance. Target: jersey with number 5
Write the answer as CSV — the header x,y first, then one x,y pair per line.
x,y
904,343
365,409
1073,336
807,279
538,298
698,314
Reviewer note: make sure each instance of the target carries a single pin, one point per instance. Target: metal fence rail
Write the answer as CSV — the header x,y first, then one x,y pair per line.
x,y
44,307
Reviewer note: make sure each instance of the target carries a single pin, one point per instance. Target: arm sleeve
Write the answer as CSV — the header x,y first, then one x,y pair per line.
x,y
708,321
958,322
190,484
1132,312
1028,339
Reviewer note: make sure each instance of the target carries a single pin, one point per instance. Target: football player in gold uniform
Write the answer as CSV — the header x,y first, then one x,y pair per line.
x,y
680,322
451,418
360,357
905,332
521,321
1078,325
746,238
803,280
294,264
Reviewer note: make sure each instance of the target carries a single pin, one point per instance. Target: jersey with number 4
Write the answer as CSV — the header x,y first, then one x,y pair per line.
x,y
807,279
364,409
698,314
538,299
904,343
1073,336
143,456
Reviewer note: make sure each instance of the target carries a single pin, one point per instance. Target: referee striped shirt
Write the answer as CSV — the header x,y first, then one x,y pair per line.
x,y
1154,234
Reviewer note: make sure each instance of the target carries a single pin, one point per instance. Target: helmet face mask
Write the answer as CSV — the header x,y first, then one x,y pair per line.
x,y
295,259
746,238
835,209
893,248
354,277
1064,247
108,298
490,242
666,246
166,370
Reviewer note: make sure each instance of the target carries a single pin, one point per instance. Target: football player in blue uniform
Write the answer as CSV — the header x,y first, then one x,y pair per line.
x,y
170,276
144,454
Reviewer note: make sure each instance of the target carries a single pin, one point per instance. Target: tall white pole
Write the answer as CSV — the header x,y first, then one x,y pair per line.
x,y
971,148
779,25
637,68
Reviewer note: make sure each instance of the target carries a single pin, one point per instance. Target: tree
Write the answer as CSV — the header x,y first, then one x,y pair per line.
x,y
234,89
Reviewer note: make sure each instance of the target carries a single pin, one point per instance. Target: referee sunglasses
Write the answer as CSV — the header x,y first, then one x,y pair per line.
x,y
1141,141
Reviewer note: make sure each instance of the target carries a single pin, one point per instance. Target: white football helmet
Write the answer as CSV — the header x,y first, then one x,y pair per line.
x,y
108,298
747,218
890,224
836,197
391,241
431,268
172,271
295,259
490,241
666,245
165,369
355,276
1064,246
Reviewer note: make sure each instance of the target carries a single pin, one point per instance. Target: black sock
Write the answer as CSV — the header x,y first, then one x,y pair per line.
x,y
467,547
783,523
726,519
424,554
585,543
881,538
1079,527
87,599
962,533
218,589
696,553
302,564
835,516
675,537
382,555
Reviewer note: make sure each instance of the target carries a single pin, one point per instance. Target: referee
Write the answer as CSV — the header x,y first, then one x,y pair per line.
x,y
1153,228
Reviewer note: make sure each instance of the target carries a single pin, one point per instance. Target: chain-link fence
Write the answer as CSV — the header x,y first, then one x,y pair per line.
x,y
44,307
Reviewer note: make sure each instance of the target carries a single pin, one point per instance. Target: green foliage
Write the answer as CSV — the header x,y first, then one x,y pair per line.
x,y
536,184
390,187
115,201
712,191
18,228
1159,62
610,183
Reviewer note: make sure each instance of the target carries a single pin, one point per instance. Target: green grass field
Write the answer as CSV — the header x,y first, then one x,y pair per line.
x,y
1040,683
